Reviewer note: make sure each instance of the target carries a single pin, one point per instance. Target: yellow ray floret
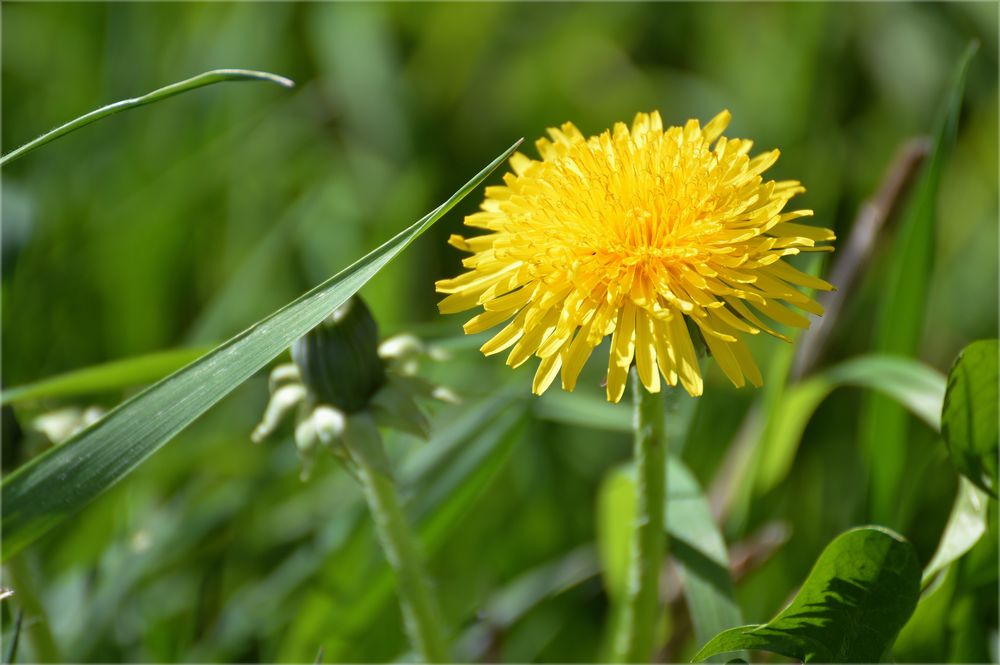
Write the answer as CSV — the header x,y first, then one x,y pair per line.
x,y
634,234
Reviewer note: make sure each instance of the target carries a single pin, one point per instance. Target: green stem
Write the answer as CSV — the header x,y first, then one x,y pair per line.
x,y
421,615
637,639
21,578
206,78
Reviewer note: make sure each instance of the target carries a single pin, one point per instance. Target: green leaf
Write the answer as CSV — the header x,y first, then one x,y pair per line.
x,y
616,507
700,551
969,417
206,78
948,625
966,525
899,328
860,593
695,543
914,385
114,375
55,485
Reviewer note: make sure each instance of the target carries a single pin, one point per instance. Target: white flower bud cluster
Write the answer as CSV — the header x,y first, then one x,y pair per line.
x,y
322,427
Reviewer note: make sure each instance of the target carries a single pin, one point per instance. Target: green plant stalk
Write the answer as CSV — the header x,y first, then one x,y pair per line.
x,y
637,638
421,613
206,78
21,578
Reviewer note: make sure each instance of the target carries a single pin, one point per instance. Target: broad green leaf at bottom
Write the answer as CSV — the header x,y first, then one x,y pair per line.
x,y
860,593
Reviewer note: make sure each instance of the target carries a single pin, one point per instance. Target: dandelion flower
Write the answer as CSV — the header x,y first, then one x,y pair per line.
x,y
633,234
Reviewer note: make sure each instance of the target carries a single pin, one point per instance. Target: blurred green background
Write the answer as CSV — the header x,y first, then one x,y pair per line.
x,y
182,223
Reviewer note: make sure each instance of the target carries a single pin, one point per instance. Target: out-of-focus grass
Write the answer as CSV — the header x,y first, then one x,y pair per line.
x,y
182,223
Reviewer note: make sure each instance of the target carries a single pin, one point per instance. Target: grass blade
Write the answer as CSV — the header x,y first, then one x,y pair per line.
x,y
56,484
114,375
701,553
11,652
206,78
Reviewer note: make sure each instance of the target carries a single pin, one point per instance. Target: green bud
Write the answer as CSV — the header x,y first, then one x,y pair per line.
x,y
338,359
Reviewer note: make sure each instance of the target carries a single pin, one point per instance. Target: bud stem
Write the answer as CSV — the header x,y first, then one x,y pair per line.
x,y
421,614
637,638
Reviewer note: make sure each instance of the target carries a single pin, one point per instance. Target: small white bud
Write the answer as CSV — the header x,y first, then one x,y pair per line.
x,y
438,354
400,345
446,395
282,401
282,374
329,423
306,437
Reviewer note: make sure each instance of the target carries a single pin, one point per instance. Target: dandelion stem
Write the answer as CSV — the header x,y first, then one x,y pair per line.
x,y
637,639
421,614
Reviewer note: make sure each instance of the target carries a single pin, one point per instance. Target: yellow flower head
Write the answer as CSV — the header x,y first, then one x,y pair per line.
x,y
630,234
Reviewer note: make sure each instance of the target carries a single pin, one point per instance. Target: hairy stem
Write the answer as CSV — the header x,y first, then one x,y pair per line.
x,y
637,639
421,615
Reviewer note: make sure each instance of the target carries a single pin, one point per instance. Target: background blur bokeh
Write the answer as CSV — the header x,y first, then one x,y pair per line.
x,y
181,223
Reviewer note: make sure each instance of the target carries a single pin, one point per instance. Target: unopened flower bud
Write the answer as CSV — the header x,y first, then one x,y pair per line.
x,y
338,359
343,385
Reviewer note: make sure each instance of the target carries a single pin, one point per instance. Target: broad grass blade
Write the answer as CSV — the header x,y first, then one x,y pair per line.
x,y
55,485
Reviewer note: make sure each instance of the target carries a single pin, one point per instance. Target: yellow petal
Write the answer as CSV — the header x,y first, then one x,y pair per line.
x,y
687,359
487,320
716,126
788,273
622,350
546,373
723,355
747,364
506,337
645,352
